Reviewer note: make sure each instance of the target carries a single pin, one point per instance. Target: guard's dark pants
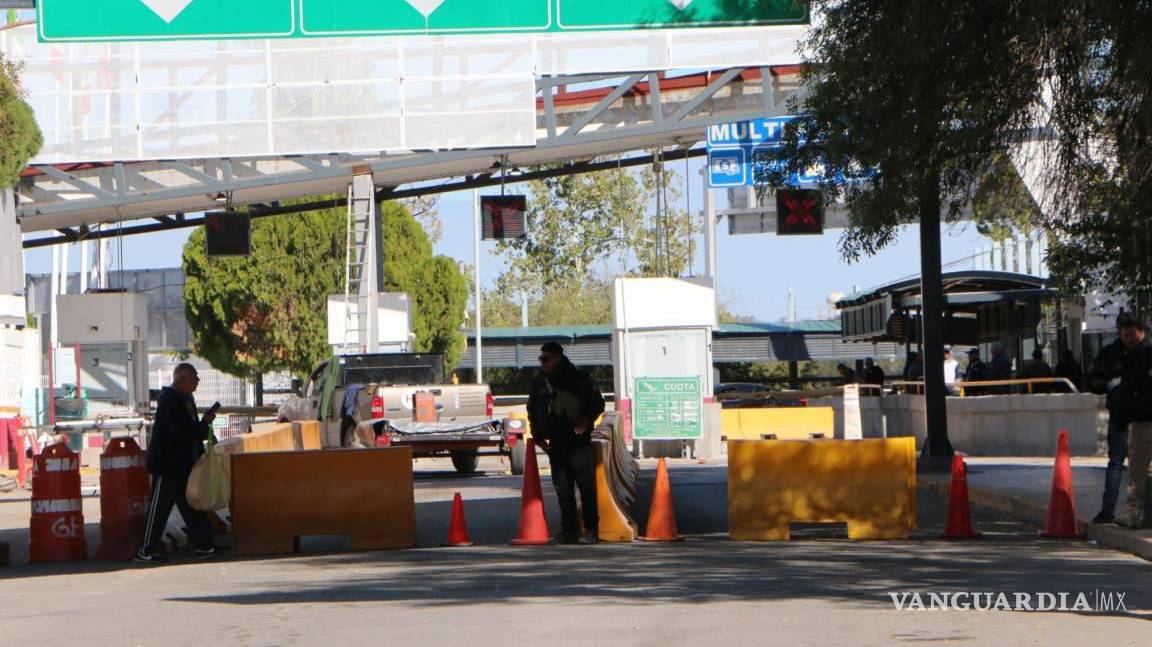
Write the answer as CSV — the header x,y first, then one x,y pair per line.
x,y
1117,452
166,492
571,468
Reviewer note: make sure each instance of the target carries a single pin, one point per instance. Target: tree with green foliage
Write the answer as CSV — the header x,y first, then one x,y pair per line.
x,y
20,137
567,303
579,225
438,290
907,103
268,311
1101,177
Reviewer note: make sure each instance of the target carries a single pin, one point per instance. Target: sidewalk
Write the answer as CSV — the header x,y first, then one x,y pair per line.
x,y
1021,486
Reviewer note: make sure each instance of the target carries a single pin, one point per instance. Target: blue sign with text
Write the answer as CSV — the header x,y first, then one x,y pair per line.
x,y
750,146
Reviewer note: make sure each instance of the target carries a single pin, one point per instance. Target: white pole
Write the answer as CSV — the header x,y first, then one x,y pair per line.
x,y
84,266
64,253
103,270
54,290
476,280
709,229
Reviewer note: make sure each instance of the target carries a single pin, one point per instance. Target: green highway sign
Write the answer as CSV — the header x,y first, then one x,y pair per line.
x,y
667,14
667,408
133,20
128,20
386,17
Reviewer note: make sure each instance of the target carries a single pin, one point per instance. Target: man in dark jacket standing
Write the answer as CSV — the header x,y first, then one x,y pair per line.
x,y
1136,399
177,442
1104,378
563,405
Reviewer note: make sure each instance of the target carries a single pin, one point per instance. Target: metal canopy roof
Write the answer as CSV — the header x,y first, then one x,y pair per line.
x,y
966,286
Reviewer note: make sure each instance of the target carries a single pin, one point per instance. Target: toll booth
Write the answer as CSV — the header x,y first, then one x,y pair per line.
x,y
662,355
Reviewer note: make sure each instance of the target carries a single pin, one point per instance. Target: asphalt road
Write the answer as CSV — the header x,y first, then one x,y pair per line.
x,y
818,589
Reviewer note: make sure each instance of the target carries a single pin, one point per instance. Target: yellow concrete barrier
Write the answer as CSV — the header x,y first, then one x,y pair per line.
x,y
870,484
788,423
306,434
265,437
278,497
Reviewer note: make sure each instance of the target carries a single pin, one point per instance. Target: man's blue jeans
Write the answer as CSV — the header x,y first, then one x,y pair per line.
x,y
1117,453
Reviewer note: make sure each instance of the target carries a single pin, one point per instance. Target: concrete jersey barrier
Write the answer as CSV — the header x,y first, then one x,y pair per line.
x,y
868,483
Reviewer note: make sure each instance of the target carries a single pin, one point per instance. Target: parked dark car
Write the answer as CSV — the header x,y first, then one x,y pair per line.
x,y
753,400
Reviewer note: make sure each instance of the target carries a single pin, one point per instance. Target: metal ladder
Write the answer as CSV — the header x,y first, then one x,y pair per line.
x,y
360,263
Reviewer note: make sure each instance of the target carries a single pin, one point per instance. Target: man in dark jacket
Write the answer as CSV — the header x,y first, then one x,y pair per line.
x,y
563,405
1135,396
977,371
177,442
1104,377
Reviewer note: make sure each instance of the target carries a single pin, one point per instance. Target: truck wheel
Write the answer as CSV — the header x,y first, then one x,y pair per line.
x,y
465,461
516,457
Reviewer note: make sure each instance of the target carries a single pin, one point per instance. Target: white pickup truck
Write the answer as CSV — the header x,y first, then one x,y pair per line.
x,y
369,401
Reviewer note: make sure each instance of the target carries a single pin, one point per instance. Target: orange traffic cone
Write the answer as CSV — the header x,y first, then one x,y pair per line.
x,y
458,529
533,526
662,516
1061,522
959,524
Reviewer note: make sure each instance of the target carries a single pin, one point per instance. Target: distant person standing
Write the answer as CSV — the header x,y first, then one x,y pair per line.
x,y
913,367
1104,377
1037,369
1136,398
176,443
873,374
999,368
1070,369
977,371
847,375
951,370
563,405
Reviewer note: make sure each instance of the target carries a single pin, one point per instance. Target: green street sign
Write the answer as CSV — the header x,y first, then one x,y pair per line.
x,y
667,408
667,14
388,17
129,20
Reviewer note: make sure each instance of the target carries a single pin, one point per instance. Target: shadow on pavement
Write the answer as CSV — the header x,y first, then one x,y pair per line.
x,y
817,564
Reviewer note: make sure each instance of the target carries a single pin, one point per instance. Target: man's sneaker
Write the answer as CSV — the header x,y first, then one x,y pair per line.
x,y
1105,516
588,539
561,539
145,558
207,553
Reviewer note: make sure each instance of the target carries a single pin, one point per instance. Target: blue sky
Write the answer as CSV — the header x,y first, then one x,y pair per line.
x,y
755,271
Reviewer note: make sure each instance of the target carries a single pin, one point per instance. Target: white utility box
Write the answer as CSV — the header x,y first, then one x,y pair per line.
x,y
393,321
101,318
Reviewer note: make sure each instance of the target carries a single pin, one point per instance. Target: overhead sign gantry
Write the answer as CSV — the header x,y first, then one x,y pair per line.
x,y
124,20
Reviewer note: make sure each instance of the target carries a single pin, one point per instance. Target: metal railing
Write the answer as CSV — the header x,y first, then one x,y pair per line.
x,y
1030,386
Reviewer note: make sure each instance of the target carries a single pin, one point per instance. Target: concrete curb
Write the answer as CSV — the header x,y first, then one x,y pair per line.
x,y
1133,541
